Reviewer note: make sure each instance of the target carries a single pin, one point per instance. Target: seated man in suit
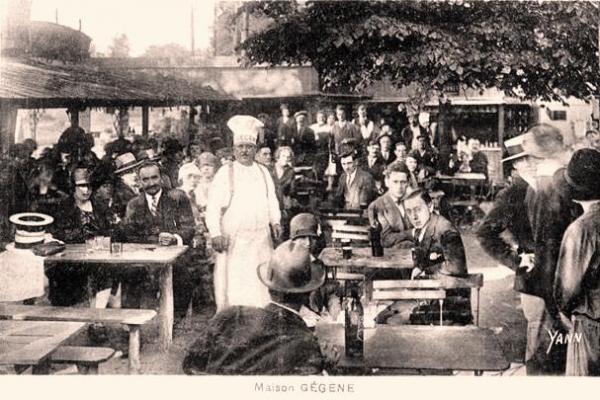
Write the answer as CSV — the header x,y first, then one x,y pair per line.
x,y
356,187
438,250
388,208
163,217
273,340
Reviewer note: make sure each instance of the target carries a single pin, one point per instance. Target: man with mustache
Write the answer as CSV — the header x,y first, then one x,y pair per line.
x,y
243,218
160,216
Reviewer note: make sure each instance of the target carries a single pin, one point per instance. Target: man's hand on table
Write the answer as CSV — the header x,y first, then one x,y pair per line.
x,y
166,239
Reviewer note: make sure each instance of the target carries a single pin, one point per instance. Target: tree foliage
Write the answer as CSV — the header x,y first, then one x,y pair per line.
x,y
120,46
527,49
169,50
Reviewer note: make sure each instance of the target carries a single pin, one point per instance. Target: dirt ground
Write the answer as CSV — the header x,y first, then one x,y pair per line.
x,y
500,311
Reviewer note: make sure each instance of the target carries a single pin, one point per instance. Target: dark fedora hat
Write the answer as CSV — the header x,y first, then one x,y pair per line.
x,y
290,270
582,174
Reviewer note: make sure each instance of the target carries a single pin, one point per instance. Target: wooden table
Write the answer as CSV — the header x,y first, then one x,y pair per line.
x,y
30,343
363,264
154,256
467,177
456,348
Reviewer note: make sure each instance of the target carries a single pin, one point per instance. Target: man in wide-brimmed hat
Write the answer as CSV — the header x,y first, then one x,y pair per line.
x,y
577,288
243,218
126,185
273,340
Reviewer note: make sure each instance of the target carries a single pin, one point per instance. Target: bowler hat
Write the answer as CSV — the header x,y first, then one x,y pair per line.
x,y
303,224
582,174
290,270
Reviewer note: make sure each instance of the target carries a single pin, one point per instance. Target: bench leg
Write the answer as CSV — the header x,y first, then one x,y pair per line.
x,y
134,349
165,312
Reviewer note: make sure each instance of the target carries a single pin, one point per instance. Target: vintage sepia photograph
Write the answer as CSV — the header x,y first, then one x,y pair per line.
x,y
284,189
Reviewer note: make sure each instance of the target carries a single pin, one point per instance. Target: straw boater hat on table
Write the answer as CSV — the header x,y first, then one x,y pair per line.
x,y
290,270
30,228
245,129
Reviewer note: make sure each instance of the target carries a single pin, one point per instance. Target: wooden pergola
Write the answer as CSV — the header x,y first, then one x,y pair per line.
x,y
30,84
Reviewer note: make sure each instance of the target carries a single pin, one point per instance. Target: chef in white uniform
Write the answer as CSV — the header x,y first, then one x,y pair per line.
x,y
243,218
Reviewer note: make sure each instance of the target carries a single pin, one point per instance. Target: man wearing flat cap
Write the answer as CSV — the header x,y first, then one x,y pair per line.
x,y
243,218
305,146
577,287
273,340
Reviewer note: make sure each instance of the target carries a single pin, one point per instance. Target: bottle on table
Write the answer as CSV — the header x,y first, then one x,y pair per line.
x,y
354,328
375,236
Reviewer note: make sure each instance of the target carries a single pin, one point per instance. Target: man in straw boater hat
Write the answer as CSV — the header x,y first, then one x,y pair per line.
x,y
550,210
272,340
577,287
243,219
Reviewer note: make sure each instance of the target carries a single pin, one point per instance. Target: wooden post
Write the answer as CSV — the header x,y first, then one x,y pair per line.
x,y
134,349
8,123
145,121
501,137
166,310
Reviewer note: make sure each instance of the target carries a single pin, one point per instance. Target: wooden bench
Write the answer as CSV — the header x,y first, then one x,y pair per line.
x,y
428,289
133,318
87,359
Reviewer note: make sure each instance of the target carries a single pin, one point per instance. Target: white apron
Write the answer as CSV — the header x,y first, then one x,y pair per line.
x,y
246,225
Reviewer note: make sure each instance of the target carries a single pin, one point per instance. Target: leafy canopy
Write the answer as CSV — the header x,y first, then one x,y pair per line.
x,y
530,49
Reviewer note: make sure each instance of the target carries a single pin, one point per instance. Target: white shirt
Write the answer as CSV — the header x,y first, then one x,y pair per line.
x,y
254,204
351,177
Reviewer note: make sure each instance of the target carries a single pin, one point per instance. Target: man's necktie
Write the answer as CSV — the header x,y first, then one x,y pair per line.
x,y
417,235
154,205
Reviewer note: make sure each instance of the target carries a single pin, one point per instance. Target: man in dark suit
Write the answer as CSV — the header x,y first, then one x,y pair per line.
x,y
344,130
385,147
356,187
273,340
305,146
162,217
285,127
425,154
411,132
438,251
389,211
374,164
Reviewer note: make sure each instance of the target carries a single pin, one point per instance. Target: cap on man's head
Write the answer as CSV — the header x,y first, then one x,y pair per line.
x,y
348,148
301,113
290,270
582,175
245,129
303,224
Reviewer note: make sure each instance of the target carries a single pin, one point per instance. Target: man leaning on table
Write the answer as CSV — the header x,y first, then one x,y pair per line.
x,y
164,217
271,340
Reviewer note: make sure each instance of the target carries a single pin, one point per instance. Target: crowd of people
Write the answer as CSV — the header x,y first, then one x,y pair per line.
x,y
249,214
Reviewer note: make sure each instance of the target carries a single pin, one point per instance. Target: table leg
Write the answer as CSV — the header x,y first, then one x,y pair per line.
x,y
166,310
134,349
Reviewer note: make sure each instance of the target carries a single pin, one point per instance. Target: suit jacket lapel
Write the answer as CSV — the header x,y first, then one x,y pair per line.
x,y
430,231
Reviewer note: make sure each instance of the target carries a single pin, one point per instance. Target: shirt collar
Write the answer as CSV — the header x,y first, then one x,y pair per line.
x,y
287,308
150,197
